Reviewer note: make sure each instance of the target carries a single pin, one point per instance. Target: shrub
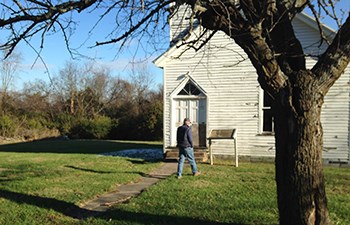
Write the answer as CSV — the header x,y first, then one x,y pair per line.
x,y
8,126
101,126
64,123
97,128
153,122
34,124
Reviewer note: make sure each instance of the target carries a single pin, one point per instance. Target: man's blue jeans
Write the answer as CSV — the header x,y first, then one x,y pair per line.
x,y
183,154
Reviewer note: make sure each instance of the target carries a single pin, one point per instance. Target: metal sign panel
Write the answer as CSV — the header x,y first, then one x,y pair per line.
x,y
222,134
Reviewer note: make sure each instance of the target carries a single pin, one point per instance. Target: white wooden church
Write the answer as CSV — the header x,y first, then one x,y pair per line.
x,y
217,88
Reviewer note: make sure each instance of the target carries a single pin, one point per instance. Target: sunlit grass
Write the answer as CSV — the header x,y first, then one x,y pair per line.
x,y
222,195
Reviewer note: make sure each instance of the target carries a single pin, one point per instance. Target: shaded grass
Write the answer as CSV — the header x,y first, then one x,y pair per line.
x,y
77,146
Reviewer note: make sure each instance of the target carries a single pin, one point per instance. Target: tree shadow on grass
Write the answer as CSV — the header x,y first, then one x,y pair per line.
x,y
6,179
137,162
74,211
105,172
149,219
66,208
88,170
75,146
142,174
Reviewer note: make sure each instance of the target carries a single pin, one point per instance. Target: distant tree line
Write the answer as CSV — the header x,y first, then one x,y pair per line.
x,y
83,102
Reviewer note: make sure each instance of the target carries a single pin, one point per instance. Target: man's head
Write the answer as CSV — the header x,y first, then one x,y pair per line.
x,y
187,121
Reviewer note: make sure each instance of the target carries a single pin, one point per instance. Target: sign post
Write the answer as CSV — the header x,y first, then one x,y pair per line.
x,y
223,134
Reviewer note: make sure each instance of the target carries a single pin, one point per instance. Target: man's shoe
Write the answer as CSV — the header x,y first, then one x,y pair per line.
x,y
197,173
179,177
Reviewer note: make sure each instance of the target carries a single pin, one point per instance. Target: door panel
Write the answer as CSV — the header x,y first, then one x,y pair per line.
x,y
195,109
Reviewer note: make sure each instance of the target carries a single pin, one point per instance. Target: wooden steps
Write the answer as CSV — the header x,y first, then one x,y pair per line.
x,y
200,154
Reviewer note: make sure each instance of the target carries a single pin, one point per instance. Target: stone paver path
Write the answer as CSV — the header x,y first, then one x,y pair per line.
x,y
128,191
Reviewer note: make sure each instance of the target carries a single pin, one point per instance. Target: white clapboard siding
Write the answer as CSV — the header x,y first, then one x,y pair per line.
x,y
335,120
179,23
232,92
335,111
222,69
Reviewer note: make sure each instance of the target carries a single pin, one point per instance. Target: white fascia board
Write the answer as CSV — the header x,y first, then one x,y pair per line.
x,y
312,23
176,49
186,77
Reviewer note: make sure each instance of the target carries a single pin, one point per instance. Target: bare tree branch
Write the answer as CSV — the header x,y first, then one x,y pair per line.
x,y
336,58
133,28
319,24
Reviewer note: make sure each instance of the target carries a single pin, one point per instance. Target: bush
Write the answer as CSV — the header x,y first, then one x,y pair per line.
x,y
64,123
38,121
8,126
146,126
97,128
153,122
25,128
128,129
34,124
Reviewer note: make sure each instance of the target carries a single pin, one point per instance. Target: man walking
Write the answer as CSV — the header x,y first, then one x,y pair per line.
x,y
185,144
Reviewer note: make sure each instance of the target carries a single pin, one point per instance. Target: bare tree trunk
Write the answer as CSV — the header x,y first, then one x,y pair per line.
x,y
72,103
299,144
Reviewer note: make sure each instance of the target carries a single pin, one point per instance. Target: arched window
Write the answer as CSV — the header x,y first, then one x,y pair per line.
x,y
190,89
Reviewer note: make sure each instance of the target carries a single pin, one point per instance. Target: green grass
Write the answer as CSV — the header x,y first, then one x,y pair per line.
x,y
46,188
338,192
223,195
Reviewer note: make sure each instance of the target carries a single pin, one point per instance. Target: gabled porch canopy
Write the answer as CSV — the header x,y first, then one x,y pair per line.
x,y
187,79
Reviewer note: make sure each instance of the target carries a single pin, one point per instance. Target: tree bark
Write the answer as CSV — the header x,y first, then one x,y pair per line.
x,y
299,174
298,98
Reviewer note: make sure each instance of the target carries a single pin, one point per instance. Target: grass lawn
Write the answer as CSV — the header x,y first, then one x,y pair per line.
x,y
223,195
43,183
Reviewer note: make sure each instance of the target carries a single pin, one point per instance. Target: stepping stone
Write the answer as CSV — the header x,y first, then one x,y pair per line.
x,y
127,191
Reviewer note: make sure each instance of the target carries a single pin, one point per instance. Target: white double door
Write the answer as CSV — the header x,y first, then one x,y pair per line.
x,y
195,109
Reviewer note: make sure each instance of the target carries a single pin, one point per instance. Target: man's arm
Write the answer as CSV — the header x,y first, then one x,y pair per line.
x,y
189,136
177,137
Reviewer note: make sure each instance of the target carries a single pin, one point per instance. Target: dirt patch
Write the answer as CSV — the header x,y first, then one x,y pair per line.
x,y
43,137
6,140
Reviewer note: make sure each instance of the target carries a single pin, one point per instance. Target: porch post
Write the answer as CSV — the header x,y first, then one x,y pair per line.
x,y
210,153
236,153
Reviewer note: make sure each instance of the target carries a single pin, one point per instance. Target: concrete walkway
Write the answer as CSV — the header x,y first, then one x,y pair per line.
x,y
128,191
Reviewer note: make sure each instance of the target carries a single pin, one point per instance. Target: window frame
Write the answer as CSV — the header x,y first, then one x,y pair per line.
x,y
262,110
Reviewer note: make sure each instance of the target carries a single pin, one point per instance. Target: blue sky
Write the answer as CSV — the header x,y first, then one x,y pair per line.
x,y
55,54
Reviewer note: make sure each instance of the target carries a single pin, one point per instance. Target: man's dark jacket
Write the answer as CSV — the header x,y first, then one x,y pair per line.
x,y
184,136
